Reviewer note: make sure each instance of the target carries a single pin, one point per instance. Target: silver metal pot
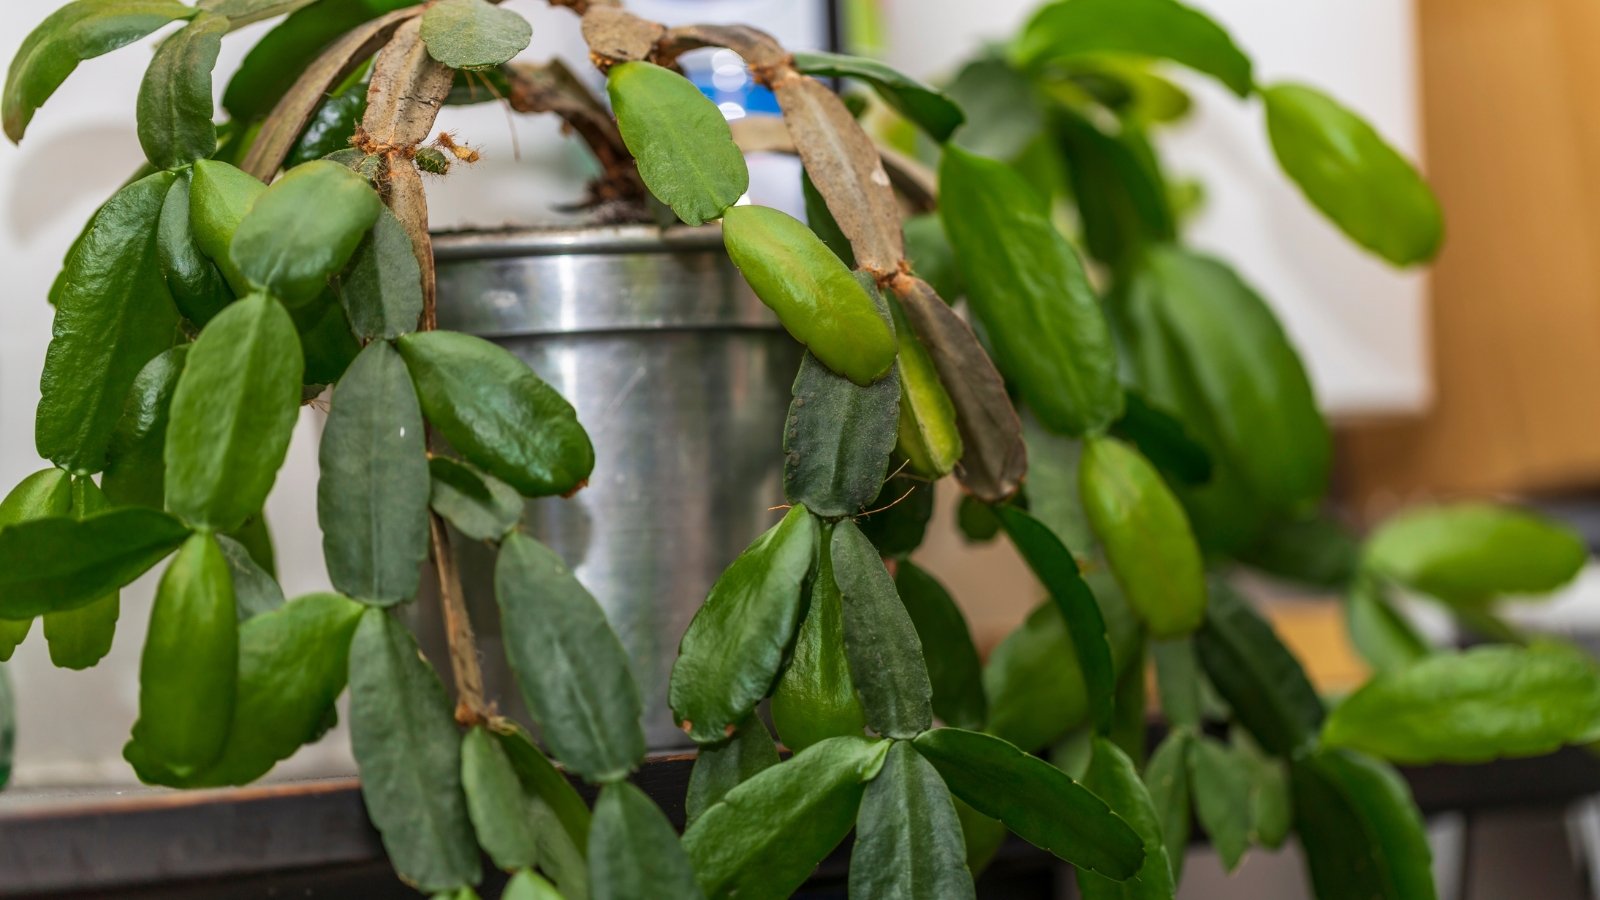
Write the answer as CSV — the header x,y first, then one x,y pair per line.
x,y
681,377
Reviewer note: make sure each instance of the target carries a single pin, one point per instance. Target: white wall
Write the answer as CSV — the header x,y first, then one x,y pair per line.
x,y
1358,321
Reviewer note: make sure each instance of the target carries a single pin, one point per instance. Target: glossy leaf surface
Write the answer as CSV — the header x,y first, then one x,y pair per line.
x,y
1113,777
1028,288
473,34
1035,799
136,473
188,672
1034,684
293,664
496,802
406,745
1151,28
1257,675
927,108
634,851
928,434
880,641
1146,537
994,457
497,413
75,32
1220,779
681,140
733,649
572,669
1382,634
232,414
528,885
480,506
767,835
908,839
62,563
373,490
197,285
719,768
560,800
947,646
1469,553
325,340
1121,197
81,637
816,697
837,439
114,313
282,248
1166,776
813,294
1347,170
1057,568
273,64
820,220
1004,106
382,288
245,12
1360,829
220,196
1473,706
44,494
175,104
1207,348
332,128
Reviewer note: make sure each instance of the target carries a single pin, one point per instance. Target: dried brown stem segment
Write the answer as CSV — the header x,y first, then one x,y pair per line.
x,y
996,459
471,708
408,88
761,51
404,193
289,118
844,164
917,184
615,36
553,88
582,7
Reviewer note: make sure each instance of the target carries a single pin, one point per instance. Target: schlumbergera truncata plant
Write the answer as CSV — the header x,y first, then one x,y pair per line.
x,y
1172,429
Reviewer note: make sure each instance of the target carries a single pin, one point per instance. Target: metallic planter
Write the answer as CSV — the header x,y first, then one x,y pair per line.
x,y
682,379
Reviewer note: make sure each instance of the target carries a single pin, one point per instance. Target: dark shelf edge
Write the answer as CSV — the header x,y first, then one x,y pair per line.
x,y
273,832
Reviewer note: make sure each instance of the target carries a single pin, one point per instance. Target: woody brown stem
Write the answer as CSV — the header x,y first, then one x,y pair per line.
x,y
553,88
471,708
403,99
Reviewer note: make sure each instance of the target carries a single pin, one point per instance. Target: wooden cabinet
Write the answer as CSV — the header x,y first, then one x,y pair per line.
x,y
1512,133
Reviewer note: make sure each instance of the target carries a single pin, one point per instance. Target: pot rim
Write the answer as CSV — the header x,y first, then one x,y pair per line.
x,y
544,282
570,240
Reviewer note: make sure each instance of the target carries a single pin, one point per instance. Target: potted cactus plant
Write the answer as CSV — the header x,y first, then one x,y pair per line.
x,y
1171,429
